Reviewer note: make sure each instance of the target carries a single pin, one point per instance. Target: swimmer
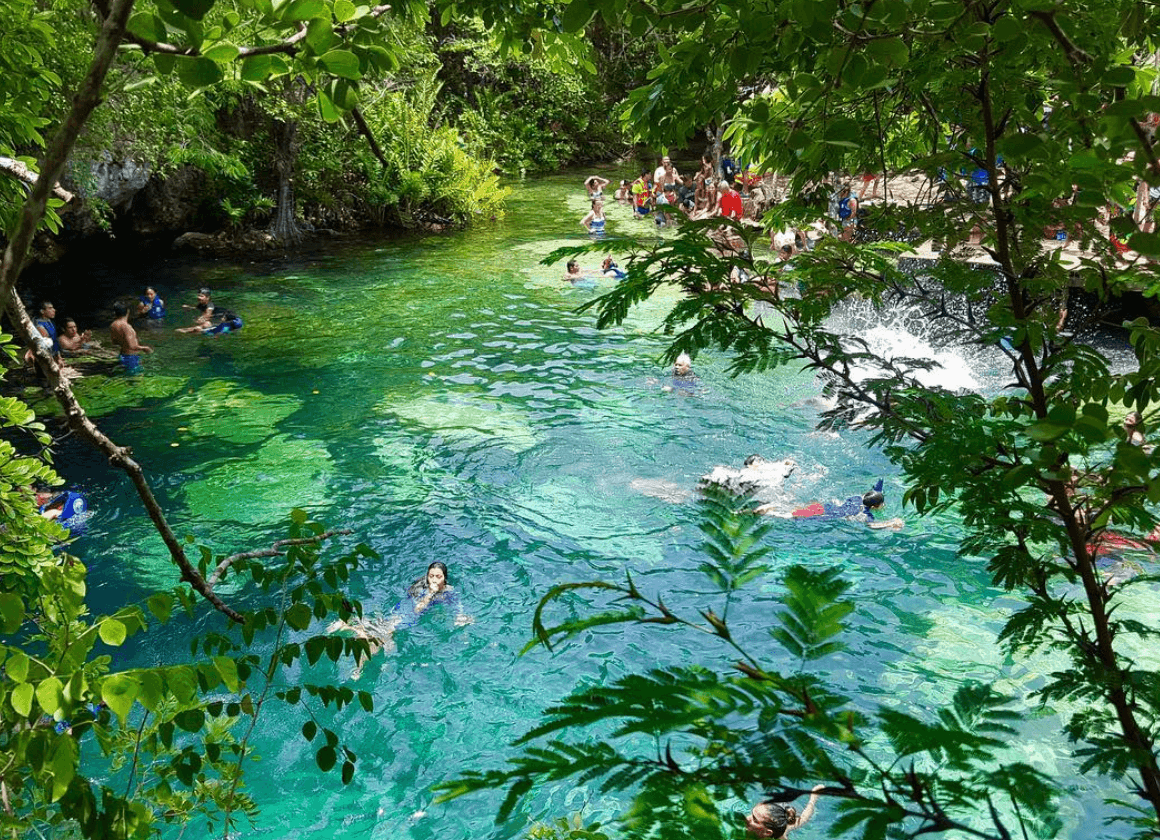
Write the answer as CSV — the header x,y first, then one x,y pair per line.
x,y
854,508
76,343
205,306
151,305
429,590
683,366
610,269
595,185
574,272
125,337
772,819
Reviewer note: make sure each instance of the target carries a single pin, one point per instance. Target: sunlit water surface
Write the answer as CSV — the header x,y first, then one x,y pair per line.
x,y
442,398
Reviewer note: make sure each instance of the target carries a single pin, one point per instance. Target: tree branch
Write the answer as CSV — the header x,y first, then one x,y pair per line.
x,y
272,551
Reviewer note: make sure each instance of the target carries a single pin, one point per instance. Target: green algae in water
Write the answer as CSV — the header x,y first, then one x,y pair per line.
x,y
223,409
465,417
264,487
101,395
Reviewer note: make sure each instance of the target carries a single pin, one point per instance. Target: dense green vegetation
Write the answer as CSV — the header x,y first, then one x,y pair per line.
x,y
1036,474
446,110
1050,104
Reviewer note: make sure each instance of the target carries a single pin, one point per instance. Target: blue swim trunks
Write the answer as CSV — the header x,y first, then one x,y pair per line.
x,y
132,364
643,211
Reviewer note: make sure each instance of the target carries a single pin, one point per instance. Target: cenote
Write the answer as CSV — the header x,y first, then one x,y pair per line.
x,y
442,398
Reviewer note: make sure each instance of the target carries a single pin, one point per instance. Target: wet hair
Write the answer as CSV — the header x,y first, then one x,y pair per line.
x,y
44,304
573,264
68,321
120,309
873,498
780,818
1133,419
683,360
753,459
420,584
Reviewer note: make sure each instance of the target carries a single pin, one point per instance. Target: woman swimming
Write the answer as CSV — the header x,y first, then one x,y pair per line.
x,y
427,591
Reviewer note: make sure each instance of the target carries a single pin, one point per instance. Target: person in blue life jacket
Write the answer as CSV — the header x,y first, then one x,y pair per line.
x,y
225,321
609,268
47,329
150,305
433,589
847,212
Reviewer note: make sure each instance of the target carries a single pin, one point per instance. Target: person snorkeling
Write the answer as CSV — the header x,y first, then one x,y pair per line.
x,y
855,508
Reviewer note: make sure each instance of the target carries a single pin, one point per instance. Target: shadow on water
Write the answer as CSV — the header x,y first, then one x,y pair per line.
x,y
441,397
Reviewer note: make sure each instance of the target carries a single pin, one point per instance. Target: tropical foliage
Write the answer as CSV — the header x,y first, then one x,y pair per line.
x,y
1023,118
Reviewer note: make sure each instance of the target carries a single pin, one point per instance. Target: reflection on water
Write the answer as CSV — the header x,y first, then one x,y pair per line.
x,y
441,398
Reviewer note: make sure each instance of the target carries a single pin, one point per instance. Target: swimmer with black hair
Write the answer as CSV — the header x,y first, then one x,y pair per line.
x,y
431,589
773,819
854,508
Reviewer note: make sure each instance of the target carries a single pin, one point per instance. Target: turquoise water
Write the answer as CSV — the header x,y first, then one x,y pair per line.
x,y
441,397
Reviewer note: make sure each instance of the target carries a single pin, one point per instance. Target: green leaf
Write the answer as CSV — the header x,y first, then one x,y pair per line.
x,y
198,72
342,63
148,26
195,9
298,616
62,764
256,68
309,730
576,16
112,632
329,114
11,612
191,720
304,10
161,605
228,670
326,758
50,695
21,699
347,772
222,52
119,691
344,10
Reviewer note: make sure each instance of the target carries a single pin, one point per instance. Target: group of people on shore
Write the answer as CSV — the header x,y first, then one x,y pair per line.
x,y
150,308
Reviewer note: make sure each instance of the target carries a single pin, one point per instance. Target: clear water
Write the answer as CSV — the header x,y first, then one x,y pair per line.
x,y
440,397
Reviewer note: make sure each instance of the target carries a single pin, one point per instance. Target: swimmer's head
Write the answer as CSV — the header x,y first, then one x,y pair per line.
x,y
573,266
437,576
120,309
607,264
683,366
873,499
1132,420
150,292
754,460
203,292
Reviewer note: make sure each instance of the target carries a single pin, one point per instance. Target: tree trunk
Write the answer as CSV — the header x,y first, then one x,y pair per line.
x,y
715,134
285,227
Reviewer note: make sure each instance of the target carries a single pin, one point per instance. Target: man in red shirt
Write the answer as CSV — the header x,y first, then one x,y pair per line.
x,y
730,203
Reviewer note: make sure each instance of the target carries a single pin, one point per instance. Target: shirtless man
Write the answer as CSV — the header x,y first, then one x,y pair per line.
x,y
75,343
125,337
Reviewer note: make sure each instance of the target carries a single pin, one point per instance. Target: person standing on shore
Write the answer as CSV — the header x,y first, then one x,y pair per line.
x,y
125,337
